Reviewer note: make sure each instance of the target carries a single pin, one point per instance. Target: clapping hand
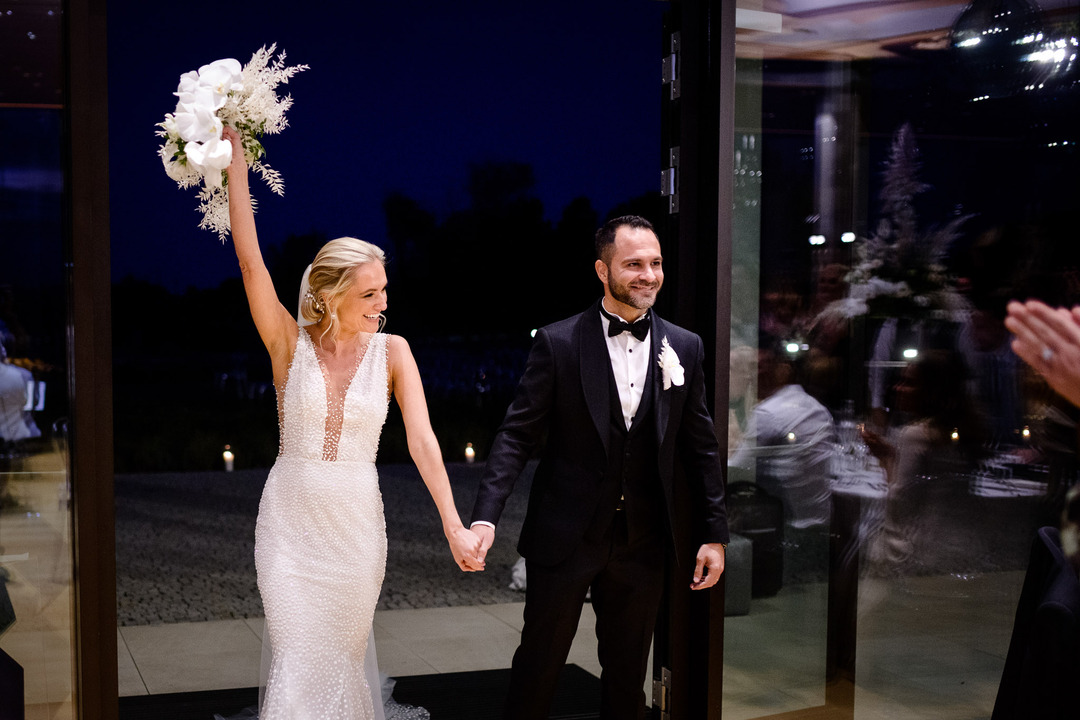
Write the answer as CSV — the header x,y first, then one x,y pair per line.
x,y
465,547
1048,339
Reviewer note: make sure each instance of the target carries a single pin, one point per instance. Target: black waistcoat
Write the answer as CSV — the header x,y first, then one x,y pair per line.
x,y
632,480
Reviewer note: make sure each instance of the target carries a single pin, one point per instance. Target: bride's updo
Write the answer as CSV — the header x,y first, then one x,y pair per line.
x,y
331,276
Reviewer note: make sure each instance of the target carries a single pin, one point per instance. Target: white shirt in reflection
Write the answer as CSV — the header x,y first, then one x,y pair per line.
x,y
788,447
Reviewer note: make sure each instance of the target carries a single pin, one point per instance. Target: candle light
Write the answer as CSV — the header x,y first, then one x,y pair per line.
x,y
470,454
228,457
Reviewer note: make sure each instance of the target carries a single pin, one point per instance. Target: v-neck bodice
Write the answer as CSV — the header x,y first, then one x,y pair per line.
x,y
323,421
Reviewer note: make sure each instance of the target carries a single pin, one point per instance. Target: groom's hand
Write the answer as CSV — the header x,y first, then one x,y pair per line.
x,y
710,564
486,534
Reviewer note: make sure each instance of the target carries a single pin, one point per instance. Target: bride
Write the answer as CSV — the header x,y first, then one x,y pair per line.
x,y
320,538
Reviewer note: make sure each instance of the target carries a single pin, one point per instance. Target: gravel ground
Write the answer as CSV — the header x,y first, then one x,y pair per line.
x,y
185,543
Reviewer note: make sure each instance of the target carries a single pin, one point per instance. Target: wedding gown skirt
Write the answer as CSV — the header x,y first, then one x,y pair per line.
x,y
320,540
319,572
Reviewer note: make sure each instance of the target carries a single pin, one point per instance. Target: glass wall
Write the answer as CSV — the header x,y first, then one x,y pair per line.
x,y
902,170
36,570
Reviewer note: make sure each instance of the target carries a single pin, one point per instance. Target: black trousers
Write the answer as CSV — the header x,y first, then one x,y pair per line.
x,y
627,583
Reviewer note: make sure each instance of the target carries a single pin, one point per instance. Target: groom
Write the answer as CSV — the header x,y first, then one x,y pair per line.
x,y
619,396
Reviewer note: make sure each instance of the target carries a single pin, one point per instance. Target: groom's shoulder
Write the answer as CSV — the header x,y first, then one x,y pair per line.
x,y
679,334
564,327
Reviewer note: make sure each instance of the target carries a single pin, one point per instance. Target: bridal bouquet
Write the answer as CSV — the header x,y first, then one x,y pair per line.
x,y
217,95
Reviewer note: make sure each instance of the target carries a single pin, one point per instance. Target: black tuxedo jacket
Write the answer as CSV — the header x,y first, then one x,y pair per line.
x,y
564,398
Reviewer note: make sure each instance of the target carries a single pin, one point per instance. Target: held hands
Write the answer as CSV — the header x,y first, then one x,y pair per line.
x,y
465,547
486,533
710,565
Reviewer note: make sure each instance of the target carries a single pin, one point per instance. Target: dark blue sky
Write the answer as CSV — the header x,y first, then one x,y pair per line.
x,y
399,97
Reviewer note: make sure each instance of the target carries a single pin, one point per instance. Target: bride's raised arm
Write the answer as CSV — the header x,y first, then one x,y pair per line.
x,y
275,324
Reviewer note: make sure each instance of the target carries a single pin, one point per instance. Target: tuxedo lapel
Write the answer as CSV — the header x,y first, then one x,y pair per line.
x,y
661,400
595,366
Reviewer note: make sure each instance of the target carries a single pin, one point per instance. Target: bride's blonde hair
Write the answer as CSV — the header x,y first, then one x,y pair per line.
x,y
332,276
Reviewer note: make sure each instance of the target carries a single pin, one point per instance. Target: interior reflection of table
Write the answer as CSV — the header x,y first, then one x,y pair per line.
x,y
858,511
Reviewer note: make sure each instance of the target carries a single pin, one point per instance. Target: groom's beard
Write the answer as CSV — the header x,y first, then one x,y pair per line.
x,y
636,295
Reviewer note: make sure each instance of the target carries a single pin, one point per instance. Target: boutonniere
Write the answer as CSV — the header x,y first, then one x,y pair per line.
x,y
670,366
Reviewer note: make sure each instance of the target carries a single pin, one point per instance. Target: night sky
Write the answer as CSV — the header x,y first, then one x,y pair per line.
x,y
400,97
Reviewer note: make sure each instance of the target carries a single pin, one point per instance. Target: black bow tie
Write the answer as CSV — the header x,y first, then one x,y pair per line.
x,y
616,326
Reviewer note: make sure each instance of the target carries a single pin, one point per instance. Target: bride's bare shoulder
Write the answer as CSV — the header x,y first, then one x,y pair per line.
x,y
397,348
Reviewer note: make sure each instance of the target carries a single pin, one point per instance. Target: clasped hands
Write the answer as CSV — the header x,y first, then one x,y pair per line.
x,y
465,545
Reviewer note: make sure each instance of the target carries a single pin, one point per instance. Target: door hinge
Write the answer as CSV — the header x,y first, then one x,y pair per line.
x,y
671,69
661,691
669,181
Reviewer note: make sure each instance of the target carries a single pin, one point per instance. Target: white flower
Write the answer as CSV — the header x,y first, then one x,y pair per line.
x,y
189,83
169,126
876,287
670,367
197,124
845,308
210,158
221,77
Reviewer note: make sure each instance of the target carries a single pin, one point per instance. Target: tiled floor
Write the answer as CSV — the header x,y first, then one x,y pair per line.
x,y
35,556
224,654
931,648
948,667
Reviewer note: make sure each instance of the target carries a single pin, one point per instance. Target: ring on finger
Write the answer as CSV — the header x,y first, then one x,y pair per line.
x,y
1047,354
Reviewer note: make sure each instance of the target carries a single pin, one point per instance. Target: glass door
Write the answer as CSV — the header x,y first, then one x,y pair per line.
x,y
902,170
37,629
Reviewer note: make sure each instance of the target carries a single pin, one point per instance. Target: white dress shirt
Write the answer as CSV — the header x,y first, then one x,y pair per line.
x,y
629,364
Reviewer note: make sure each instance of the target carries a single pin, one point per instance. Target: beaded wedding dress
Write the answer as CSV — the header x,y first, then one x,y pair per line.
x,y
320,539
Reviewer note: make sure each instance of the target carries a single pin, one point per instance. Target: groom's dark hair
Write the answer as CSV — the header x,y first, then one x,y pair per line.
x,y
605,236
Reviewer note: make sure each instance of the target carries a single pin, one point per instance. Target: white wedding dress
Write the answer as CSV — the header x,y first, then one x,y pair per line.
x,y
320,539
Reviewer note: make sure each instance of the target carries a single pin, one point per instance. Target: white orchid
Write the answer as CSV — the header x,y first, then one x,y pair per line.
x,y
189,83
197,124
221,77
219,94
670,367
210,158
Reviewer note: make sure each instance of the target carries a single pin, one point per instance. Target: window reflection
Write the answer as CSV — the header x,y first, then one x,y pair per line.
x,y
36,565
895,185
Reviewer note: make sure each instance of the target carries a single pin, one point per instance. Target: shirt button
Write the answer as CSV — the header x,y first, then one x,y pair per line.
x,y
631,384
